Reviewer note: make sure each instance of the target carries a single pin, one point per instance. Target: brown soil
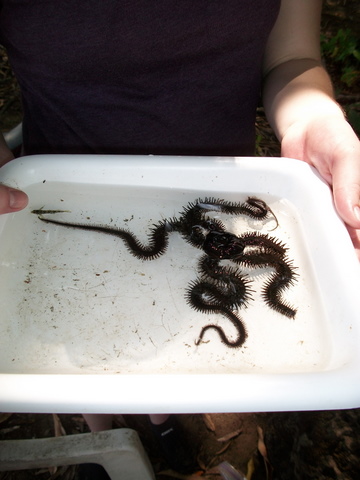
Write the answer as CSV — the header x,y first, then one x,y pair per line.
x,y
213,439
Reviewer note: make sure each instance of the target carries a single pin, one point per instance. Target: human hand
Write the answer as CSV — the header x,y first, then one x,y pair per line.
x,y
328,143
12,200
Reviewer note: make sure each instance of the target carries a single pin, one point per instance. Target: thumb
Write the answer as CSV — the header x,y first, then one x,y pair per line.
x,y
346,189
12,200
347,203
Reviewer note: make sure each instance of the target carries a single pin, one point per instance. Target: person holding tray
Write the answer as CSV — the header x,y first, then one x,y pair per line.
x,y
180,78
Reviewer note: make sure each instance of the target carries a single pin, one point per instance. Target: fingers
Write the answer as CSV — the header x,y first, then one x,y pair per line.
x,y
355,237
346,184
12,200
332,147
347,203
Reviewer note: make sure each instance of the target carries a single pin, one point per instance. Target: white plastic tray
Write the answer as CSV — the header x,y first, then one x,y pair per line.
x,y
86,327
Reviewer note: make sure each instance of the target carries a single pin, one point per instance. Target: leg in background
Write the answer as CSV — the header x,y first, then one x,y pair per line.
x,y
158,419
97,422
167,433
172,443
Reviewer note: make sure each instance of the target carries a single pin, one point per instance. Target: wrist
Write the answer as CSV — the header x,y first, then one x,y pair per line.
x,y
312,112
314,118
298,91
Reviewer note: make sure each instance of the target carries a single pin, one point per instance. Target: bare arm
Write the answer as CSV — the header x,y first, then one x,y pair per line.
x,y
300,106
296,85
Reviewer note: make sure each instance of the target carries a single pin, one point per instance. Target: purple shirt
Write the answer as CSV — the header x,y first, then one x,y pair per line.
x,y
137,76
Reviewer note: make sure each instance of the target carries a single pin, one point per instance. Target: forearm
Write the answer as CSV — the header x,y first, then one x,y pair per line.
x,y
295,91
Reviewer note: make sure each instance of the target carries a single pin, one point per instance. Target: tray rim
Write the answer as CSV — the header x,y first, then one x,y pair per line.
x,y
26,171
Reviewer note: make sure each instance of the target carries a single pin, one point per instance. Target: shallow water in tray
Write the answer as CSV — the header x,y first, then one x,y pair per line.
x,y
76,301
